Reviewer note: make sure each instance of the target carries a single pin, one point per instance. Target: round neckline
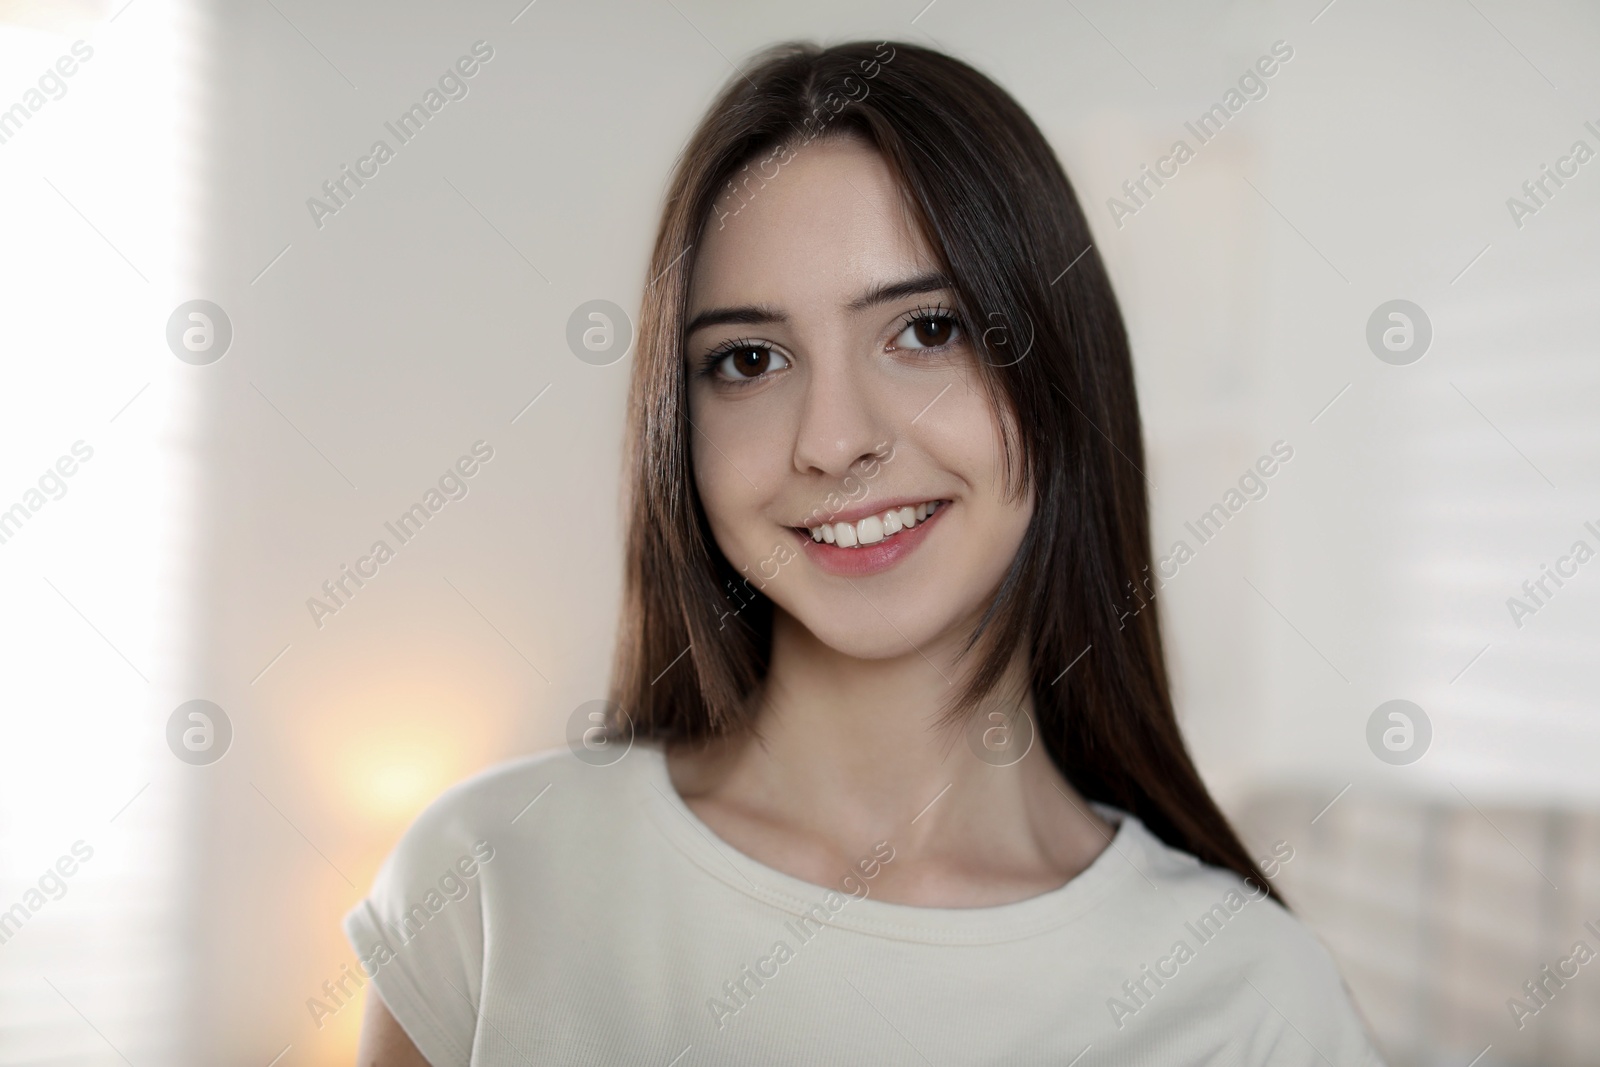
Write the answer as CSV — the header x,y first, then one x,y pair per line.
x,y
1121,859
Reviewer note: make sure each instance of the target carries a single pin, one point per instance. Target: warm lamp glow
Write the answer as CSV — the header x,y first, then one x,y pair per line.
x,y
379,743
397,780
383,741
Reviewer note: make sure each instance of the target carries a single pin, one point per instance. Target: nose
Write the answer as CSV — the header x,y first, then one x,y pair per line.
x,y
842,421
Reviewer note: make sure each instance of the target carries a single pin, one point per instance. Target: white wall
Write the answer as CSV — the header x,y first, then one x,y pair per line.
x,y
98,521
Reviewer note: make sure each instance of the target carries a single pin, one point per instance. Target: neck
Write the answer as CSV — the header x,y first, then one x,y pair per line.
x,y
847,752
868,731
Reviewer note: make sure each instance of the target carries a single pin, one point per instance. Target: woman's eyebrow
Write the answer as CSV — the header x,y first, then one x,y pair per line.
x,y
930,282
744,315
765,315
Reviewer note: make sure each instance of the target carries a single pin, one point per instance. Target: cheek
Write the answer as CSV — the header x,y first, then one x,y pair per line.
x,y
969,443
718,496
969,440
732,505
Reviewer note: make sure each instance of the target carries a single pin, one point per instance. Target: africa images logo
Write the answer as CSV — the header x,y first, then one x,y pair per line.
x,y
453,885
342,188
1252,85
452,485
1139,992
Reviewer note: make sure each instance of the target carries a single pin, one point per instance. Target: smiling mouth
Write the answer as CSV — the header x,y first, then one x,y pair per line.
x,y
873,528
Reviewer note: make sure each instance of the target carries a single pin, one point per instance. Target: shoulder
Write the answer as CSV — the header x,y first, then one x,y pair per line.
x,y
1201,891
1260,961
486,844
419,933
503,802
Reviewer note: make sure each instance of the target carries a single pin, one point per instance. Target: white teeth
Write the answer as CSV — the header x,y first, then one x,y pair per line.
x,y
873,528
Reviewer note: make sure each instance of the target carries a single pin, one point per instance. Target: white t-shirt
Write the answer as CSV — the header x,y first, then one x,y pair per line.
x,y
549,911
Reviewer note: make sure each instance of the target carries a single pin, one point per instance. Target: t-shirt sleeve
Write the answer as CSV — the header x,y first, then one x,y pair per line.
x,y
418,934
1307,1012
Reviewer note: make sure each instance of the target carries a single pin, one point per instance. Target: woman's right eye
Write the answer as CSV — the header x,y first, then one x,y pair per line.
x,y
745,363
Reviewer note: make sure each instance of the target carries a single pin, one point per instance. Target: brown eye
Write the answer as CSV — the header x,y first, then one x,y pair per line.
x,y
928,331
748,362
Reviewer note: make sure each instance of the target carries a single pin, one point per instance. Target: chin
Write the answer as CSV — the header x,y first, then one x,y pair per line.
x,y
854,628
865,642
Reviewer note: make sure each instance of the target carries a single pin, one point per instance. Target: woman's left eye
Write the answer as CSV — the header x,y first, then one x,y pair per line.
x,y
744,363
929,331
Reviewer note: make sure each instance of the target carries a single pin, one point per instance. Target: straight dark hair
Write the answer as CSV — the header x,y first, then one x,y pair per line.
x,y
999,213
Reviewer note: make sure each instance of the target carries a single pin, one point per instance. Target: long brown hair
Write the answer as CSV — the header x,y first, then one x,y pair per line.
x,y
996,207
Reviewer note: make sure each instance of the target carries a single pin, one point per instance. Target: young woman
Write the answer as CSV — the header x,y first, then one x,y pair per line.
x,y
891,772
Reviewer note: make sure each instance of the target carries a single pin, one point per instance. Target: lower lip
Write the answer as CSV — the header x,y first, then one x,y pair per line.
x,y
871,559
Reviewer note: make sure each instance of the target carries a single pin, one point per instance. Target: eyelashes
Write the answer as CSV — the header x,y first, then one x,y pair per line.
x,y
936,315
720,354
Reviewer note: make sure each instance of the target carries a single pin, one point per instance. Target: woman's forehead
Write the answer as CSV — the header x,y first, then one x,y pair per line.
x,y
828,225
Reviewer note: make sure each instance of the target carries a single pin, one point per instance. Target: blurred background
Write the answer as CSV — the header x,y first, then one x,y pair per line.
x,y
217,392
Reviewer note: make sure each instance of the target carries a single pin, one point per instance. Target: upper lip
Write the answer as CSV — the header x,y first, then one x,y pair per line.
x,y
861,511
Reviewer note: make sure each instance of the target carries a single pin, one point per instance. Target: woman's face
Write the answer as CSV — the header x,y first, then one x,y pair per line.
x,y
831,385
